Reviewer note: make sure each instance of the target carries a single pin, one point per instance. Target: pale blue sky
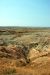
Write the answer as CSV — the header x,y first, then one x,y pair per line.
x,y
25,13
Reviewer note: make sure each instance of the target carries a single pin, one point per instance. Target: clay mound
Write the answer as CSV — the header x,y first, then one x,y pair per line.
x,y
10,49
14,52
34,54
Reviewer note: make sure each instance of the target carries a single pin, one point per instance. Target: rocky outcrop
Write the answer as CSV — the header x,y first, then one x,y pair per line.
x,y
35,54
14,52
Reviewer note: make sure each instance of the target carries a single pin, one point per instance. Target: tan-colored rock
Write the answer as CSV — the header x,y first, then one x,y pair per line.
x,y
33,54
48,50
11,48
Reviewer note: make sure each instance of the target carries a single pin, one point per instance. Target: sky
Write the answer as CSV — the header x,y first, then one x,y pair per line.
x,y
33,13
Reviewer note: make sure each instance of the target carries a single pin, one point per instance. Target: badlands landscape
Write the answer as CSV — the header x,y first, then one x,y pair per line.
x,y
24,51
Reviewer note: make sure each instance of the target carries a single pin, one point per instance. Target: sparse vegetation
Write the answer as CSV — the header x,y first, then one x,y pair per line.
x,y
24,51
9,71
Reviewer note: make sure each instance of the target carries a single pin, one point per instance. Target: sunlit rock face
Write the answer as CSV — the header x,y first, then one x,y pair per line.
x,y
33,53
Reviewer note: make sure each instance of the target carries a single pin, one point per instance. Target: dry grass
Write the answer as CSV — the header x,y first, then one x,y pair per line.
x,y
24,51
